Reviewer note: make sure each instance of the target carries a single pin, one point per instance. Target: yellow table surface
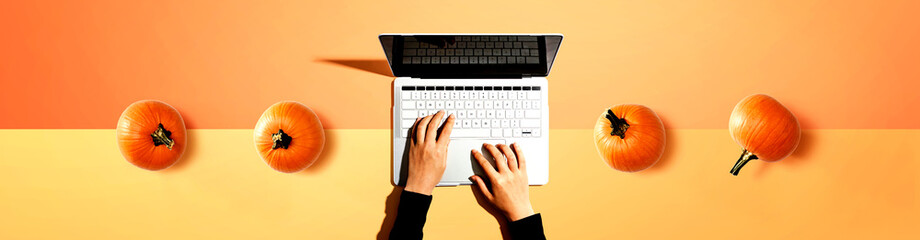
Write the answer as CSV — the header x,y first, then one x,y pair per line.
x,y
850,184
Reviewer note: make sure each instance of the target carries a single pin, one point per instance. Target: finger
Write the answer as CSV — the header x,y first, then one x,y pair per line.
x,y
520,156
422,127
444,138
486,166
482,187
510,156
413,129
500,161
432,131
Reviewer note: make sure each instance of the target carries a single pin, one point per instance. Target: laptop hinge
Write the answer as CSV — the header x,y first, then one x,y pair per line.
x,y
525,76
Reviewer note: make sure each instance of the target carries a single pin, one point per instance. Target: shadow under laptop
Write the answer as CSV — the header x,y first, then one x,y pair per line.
x,y
377,66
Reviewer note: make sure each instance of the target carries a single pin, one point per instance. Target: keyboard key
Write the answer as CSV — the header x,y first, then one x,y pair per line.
x,y
409,114
407,123
533,60
530,123
529,44
470,133
496,132
408,104
526,38
533,95
531,113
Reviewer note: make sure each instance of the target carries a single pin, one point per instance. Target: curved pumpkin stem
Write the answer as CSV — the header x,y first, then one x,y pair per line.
x,y
618,125
746,156
281,139
161,137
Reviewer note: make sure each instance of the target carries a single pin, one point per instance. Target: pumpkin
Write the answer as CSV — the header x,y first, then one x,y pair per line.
x,y
629,137
151,135
289,136
765,128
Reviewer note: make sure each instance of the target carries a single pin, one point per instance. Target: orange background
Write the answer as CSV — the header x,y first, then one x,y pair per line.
x,y
78,64
847,69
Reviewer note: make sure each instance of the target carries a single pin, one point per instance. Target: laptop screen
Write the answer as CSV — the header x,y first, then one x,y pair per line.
x,y
473,55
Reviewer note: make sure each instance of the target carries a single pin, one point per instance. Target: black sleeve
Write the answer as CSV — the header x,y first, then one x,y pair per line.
x,y
527,228
410,215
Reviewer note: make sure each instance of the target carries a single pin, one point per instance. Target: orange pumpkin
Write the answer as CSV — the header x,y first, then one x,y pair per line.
x,y
765,128
629,137
151,134
289,136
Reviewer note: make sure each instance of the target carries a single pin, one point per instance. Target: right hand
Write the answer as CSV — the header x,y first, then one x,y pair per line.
x,y
509,182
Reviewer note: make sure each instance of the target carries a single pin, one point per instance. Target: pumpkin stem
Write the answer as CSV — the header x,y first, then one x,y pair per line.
x,y
746,156
618,125
161,137
281,139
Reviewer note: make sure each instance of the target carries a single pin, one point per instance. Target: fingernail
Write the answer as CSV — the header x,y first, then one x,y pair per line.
x,y
471,178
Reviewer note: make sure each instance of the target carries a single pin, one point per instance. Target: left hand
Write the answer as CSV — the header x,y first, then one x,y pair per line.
x,y
428,153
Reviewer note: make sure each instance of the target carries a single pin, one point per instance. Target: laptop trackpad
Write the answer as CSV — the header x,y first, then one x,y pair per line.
x,y
460,162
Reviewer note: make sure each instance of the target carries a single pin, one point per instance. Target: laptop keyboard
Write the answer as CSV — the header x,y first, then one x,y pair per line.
x,y
480,111
471,50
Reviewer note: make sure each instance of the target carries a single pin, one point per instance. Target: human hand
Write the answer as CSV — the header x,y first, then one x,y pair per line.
x,y
509,182
428,153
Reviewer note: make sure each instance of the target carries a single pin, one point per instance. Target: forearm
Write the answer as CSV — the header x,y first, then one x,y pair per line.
x,y
411,215
527,228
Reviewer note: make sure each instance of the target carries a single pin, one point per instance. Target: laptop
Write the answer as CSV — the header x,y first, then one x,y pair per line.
x,y
494,84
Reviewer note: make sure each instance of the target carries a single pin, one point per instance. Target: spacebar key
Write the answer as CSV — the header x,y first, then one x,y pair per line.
x,y
470,133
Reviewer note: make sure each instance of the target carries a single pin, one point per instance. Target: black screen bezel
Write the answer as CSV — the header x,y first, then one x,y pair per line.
x,y
467,70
